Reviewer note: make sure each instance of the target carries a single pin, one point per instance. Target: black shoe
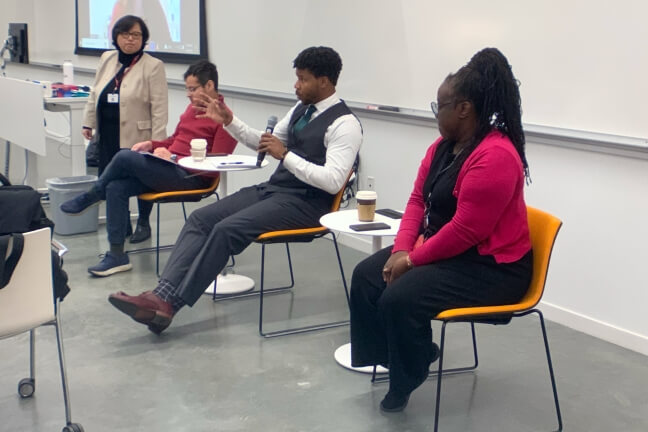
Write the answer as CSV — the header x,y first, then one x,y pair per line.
x,y
141,233
436,352
80,203
394,402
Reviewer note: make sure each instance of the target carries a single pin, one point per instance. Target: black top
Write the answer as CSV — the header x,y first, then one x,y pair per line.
x,y
108,113
440,203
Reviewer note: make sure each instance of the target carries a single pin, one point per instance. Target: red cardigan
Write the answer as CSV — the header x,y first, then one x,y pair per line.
x,y
491,213
189,127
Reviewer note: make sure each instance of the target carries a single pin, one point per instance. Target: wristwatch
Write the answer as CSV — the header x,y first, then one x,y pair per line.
x,y
174,157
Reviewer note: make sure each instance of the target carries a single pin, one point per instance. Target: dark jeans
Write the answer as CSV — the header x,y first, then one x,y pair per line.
x,y
214,232
130,174
391,324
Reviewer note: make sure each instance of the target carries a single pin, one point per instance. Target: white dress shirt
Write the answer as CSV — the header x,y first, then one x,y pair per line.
x,y
342,140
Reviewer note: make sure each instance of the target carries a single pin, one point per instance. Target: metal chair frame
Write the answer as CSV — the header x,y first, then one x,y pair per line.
x,y
481,315
304,235
276,290
158,198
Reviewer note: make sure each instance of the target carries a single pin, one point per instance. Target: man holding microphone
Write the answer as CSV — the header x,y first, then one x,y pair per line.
x,y
316,143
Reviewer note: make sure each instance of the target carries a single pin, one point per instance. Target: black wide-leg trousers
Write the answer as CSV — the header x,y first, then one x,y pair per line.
x,y
390,324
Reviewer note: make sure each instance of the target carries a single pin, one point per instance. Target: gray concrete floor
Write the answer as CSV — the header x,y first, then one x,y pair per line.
x,y
211,371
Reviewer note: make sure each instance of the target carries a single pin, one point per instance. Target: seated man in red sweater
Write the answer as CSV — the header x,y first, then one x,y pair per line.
x,y
464,238
131,173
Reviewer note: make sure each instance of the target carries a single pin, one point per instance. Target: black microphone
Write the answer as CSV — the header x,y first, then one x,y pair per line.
x,y
272,122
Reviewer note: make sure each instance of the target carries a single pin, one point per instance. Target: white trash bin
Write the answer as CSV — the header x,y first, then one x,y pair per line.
x,y
62,189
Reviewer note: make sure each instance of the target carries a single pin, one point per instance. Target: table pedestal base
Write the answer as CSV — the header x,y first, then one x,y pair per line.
x,y
230,284
343,357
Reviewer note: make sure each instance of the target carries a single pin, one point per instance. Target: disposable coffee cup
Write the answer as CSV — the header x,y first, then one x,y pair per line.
x,y
198,149
366,205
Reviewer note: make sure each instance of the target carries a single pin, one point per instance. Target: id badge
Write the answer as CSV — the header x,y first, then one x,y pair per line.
x,y
113,97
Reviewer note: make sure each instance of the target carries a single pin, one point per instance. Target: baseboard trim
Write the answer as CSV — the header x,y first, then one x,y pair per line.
x,y
594,327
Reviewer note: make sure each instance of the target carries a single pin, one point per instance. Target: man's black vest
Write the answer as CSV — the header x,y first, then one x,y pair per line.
x,y
308,143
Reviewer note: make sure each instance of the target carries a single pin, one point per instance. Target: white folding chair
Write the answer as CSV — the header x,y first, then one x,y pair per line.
x,y
27,302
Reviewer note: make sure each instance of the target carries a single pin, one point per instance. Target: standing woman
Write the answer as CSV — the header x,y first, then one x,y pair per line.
x,y
129,99
464,238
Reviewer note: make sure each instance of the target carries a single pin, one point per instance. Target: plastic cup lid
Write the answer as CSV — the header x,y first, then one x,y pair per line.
x,y
366,195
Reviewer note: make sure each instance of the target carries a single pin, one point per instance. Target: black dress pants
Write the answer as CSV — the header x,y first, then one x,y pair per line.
x,y
390,324
214,232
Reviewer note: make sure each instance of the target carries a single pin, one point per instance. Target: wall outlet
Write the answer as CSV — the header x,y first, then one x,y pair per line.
x,y
371,183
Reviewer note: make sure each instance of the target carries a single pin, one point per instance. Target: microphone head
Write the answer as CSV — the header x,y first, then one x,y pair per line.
x,y
272,121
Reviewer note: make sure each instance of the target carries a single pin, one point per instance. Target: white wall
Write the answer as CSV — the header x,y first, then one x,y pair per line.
x,y
567,54
597,282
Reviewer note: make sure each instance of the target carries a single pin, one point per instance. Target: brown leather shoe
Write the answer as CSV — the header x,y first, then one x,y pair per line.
x,y
146,308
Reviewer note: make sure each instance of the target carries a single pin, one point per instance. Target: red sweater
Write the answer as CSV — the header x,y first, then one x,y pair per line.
x,y
491,213
190,127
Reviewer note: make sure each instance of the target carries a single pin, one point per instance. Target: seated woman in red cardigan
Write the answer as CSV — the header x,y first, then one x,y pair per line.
x,y
463,240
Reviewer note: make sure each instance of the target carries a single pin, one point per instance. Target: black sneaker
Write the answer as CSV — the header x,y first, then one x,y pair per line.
x,y
80,203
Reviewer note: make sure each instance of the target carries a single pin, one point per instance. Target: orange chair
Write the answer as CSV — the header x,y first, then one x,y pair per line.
x,y
301,235
181,196
544,229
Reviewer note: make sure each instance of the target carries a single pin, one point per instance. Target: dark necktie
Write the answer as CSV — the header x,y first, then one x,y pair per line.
x,y
303,121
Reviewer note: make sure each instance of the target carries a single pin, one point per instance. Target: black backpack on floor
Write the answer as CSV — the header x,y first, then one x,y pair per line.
x,y
21,211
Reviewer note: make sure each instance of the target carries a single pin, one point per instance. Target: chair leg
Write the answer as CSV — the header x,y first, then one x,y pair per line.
x,y
451,370
261,290
475,356
304,329
551,371
220,297
32,355
440,376
344,283
157,241
157,247
271,290
61,355
27,386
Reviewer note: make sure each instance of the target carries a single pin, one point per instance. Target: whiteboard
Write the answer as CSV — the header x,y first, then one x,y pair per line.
x,y
582,65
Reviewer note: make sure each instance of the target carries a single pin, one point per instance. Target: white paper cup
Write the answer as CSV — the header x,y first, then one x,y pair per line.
x,y
198,149
366,205
198,155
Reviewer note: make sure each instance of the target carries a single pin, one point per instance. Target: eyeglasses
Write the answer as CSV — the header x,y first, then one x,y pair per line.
x,y
134,35
436,107
192,89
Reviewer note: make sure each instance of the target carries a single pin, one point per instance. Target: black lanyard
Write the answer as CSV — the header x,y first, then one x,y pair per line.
x,y
118,79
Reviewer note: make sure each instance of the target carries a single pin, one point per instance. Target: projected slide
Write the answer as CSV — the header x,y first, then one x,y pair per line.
x,y
174,25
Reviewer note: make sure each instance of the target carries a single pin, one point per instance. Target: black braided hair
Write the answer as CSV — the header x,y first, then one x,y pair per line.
x,y
488,82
